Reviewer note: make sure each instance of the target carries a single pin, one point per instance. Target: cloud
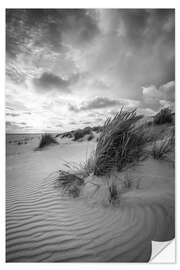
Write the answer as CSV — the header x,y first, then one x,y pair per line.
x,y
166,103
168,91
154,98
48,81
73,122
15,104
136,48
96,103
145,111
12,126
120,56
151,96
127,47
9,123
12,114
9,108
59,125
99,84
29,28
144,25
87,123
15,74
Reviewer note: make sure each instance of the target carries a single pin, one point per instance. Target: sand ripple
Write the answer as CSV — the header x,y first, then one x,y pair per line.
x,y
43,225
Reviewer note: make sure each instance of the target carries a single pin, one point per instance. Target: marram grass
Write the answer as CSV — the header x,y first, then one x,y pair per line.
x,y
46,139
120,145
161,148
164,116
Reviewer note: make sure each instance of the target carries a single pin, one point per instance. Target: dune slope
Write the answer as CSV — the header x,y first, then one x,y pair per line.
x,y
44,225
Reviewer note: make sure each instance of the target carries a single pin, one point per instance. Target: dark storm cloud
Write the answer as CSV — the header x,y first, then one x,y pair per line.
x,y
158,32
9,123
45,27
135,21
138,49
12,125
96,103
142,25
12,114
125,54
48,81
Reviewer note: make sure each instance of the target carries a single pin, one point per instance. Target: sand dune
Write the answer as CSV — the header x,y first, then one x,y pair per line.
x,y
42,224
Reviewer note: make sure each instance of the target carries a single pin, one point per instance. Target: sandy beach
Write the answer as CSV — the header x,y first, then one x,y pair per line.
x,y
44,224
90,133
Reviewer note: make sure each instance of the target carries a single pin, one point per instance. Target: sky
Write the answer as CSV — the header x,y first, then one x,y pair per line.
x,y
71,68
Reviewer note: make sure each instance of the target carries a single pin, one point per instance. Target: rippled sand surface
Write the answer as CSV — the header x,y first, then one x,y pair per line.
x,y
44,225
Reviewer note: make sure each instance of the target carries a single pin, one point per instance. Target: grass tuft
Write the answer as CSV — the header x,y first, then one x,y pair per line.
x,y
72,179
119,184
90,137
80,133
161,148
113,193
164,116
46,139
121,143
70,182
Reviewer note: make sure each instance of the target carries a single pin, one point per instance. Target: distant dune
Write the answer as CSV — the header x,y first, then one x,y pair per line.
x,y
87,133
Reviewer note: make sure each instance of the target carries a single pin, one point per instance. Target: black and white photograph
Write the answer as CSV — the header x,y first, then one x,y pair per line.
x,y
90,134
